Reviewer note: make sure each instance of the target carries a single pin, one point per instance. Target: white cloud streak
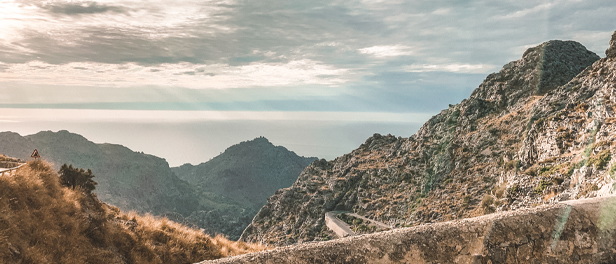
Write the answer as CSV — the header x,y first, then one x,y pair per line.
x,y
527,11
453,67
387,51
188,75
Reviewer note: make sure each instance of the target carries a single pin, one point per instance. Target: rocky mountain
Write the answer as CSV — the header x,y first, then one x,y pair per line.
x,y
234,185
539,131
127,179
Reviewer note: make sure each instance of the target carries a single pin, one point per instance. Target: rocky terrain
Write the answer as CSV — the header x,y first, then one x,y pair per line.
x,y
234,185
537,132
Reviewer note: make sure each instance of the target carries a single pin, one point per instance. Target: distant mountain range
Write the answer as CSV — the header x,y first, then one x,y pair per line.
x,y
221,195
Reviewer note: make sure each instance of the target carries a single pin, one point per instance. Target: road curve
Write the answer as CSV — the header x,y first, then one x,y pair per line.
x,y
373,221
3,170
338,226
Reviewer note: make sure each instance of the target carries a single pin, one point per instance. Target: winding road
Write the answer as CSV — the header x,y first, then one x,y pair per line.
x,y
9,170
341,228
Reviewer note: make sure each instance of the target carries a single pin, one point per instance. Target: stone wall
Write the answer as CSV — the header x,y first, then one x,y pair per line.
x,y
581,231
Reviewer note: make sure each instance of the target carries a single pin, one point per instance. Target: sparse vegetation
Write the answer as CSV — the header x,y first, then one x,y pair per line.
x,y
512,165
44,222
542,186
600,160
499,191
487,204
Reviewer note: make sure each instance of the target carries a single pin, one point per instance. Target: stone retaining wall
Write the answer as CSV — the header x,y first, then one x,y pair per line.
x,y
581,231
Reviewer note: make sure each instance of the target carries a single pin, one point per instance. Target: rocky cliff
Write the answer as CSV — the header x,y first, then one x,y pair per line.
x,y
234,185
537,132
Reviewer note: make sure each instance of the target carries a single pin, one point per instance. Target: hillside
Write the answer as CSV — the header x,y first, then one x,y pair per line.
x,y
127,179
236,183
44,222
537,132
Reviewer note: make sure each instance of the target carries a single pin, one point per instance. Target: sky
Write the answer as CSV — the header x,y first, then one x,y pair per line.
x,y
184,80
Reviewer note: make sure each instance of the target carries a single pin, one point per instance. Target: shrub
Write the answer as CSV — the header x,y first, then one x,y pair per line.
x,y
512,164
77,178
600,160
542,185
466,201
499,192
487,201
513,190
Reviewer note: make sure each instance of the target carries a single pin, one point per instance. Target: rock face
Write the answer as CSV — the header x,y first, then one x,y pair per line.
x,y
537,132
234,185
127,179
580,232
611,51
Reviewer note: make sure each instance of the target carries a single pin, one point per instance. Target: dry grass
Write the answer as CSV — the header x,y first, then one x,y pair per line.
x,y
43,222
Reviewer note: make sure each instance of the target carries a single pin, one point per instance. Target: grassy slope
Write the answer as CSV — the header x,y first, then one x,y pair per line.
x,y
43,222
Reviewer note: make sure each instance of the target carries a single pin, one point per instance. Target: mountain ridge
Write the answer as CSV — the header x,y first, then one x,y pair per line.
x,y
474,158
137,181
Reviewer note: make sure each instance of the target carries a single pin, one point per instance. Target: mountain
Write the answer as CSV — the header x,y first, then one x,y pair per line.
x,y
127,179
236,183
539,131
45,222
221,195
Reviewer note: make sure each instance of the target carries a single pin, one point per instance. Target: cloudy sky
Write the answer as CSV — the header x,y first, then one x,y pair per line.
x,y
185,79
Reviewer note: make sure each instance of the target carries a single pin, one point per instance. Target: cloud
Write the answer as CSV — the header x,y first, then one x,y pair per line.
x,y
78,8
527,11
387,51
187,75
453,67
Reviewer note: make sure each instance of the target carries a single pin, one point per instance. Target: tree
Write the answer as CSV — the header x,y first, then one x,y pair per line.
x,y
76,177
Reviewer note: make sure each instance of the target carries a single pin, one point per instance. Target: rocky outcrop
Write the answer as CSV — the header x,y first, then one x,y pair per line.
x,y
611,51
537,132
578,232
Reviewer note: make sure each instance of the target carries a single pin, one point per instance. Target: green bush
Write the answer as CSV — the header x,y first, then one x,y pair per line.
x,y
541,187
77,178
600,160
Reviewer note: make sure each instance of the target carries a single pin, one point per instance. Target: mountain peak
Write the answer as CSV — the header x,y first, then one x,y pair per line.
x,y
611,51
540,70
260,139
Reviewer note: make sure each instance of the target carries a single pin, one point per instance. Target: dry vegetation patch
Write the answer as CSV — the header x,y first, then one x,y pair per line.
x,y
44,222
